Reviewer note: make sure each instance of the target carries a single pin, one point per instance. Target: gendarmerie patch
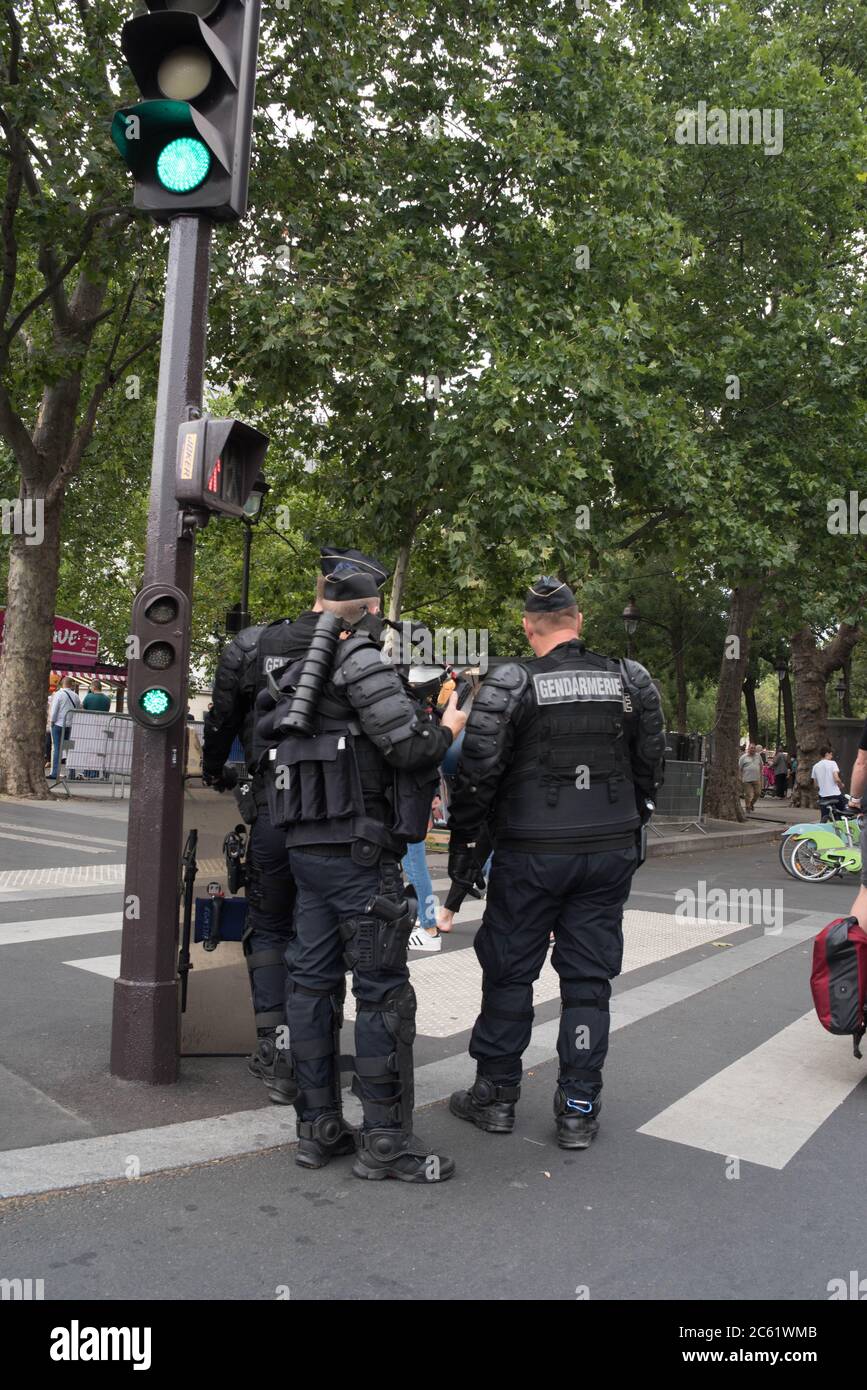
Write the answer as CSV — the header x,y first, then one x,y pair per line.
x,y
563,687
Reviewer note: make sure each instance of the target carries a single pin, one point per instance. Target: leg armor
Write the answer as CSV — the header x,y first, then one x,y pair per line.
x,y
385,1084
312,1098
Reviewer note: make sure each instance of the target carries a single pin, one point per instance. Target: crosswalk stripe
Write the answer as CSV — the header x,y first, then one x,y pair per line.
x,y
63,834
74,1163
70,876
449,985
109,966
56,844
51,928
766,1105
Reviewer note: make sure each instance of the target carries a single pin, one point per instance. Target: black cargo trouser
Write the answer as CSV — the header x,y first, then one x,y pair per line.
x,y
580,897
330,889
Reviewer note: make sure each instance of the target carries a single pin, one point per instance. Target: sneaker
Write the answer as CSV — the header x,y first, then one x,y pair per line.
x,y
421,940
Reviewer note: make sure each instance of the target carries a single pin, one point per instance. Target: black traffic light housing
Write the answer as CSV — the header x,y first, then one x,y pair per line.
x,y
157,673
218,463
188,143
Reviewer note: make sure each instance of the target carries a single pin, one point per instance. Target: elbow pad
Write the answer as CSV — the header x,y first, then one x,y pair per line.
x,y
643,695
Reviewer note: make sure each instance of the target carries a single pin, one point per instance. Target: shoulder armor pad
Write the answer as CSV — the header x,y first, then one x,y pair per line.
x,y
248,638
356,657
502,688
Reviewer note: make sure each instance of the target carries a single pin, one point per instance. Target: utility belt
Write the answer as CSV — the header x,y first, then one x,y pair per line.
x,y
362,838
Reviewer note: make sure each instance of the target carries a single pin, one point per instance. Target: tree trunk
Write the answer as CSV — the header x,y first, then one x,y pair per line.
x,y
25,663
47,461
811,666
398,583
788,715
722,799
847,693
752,708
680,682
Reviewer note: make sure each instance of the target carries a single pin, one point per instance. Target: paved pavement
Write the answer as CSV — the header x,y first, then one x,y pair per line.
x,y
731,1130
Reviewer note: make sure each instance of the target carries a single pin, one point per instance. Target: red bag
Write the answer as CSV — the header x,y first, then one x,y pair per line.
x,y
839,978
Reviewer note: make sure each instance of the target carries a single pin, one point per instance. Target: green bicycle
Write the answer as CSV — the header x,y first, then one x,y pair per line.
x,y
815,852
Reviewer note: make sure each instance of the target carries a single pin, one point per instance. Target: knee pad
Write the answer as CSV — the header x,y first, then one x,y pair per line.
x,y
398,1014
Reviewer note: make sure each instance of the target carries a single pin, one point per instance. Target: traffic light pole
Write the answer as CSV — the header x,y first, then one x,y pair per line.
x,y
144,1041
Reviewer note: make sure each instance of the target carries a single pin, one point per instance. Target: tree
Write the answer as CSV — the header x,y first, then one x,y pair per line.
x,y
75,317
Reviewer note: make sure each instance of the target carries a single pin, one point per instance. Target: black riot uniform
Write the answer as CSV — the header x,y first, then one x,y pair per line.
x,y
245,665
352,789
561,759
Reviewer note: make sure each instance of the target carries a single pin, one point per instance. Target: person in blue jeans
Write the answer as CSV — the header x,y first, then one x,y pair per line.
x,y
425,936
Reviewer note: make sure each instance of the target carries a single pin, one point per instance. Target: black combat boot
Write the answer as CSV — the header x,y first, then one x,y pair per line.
x,y
329,1136
272,1065
488,1104
577,1121
393,1153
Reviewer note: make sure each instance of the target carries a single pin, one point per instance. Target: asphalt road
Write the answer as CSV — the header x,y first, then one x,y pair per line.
x,y
731,1133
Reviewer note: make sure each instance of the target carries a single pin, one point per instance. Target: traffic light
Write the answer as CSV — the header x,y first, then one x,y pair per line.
x,y
188,143
157,670
218,463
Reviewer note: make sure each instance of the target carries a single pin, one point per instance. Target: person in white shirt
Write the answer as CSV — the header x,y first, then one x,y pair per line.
x,y
64,699
826,774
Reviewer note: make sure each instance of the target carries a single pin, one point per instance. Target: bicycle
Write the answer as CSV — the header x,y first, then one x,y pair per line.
x,y
815,852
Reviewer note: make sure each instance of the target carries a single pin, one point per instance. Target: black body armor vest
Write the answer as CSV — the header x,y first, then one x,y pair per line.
x,y
336,787
569,779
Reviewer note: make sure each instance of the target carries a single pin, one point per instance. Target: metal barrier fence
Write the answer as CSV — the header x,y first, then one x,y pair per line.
x,y
681,797
94,747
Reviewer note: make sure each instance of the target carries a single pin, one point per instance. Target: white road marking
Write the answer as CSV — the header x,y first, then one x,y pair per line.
x,y
63,834
766,1105
109,966
70,876
76,1163
50,928
449,985
57,844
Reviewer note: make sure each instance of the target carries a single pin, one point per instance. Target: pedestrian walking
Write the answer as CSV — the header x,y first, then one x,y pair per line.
x,y
64,700
750,773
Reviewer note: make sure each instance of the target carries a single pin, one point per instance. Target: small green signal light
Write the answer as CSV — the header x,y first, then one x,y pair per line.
x,y
183,165
155,701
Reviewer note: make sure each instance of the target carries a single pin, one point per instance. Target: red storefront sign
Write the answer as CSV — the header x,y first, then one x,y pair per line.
x,y
74,644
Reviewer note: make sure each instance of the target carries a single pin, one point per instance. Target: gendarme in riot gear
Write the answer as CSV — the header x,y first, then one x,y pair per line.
x,y
246,664
560,761
353,766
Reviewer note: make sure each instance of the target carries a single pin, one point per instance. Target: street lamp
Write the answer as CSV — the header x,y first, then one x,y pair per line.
x,y
631,618
252,512
840,688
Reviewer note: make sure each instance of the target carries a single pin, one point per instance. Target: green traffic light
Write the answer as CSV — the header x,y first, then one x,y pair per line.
x,y
183,165
155,702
